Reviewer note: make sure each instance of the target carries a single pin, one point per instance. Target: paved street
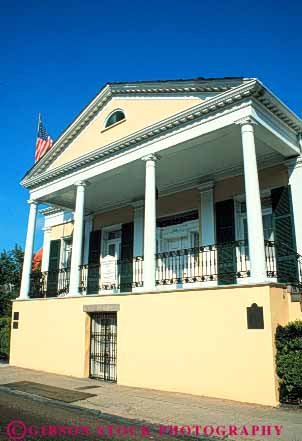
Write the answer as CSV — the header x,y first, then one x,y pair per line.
x,y
128,406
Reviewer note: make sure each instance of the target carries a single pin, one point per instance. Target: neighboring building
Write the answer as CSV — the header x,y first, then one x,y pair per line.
x,y
171,240
37,260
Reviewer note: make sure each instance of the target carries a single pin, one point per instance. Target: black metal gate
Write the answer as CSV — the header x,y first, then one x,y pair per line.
x,y
103,346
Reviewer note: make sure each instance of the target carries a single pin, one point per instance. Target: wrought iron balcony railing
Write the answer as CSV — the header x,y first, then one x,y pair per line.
x,y
223,264
50,283
112,274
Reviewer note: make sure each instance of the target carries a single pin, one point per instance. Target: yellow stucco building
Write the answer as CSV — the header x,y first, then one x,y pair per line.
x,y
172,240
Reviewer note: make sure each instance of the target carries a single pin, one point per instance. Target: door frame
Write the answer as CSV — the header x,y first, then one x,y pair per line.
x,y
104,242
113,345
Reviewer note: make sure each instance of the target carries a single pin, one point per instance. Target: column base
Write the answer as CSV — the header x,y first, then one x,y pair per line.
x,y
149,288
73,293
259,280
23,298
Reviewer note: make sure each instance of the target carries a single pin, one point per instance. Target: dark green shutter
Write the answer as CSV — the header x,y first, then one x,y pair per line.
x,y
53,267
225,237
94,262
126,265
284,235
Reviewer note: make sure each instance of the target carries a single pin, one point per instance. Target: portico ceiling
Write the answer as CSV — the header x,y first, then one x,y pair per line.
x,y
212,156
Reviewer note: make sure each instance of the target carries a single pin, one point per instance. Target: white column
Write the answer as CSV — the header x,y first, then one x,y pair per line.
x,y
28,252
253,202
77,241
295,181
150,224
207,219
46,249
138,224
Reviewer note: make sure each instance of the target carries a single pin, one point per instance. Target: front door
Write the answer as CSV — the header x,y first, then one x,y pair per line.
x,y
110,273
103,346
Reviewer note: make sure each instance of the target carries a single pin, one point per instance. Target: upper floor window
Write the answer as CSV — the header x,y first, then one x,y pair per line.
x,y
115,117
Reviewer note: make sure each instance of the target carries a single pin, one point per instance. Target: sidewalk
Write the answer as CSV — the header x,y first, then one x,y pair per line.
x,y
167,408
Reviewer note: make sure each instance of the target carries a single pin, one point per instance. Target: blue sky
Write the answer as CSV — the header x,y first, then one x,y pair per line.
x,y
55,56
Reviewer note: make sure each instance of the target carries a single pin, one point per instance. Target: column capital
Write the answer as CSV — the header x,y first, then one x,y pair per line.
x,y
247,120
138,204
47,229
32,202
151,157
206,186
81,183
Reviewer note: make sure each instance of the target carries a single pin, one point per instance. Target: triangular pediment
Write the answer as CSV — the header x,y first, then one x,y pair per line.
x,y
143,103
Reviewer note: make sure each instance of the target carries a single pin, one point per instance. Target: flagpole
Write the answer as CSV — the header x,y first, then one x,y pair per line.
x,y
39,120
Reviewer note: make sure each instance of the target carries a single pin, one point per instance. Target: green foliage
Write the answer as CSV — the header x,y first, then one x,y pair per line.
x,y
11,267
4,336
10,278
289,361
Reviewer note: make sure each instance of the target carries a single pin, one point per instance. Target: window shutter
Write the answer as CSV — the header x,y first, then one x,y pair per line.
x,y
284,235
53,267
126,267
225,237
94,262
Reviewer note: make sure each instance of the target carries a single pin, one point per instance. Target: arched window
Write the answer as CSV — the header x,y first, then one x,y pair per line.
x,y
115,117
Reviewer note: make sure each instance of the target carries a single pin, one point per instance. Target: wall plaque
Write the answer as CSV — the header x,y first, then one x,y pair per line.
x,y
255,317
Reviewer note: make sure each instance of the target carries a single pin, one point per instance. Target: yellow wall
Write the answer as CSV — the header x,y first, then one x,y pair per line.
x,y
62,230
175,203
276,176
178,202
193,341
140,113
119,216
295,311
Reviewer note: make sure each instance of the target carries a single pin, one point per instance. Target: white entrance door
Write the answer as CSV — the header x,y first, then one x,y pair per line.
x,y
110,259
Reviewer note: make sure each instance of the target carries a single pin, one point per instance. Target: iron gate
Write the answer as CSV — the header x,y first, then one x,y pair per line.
x,y
103,346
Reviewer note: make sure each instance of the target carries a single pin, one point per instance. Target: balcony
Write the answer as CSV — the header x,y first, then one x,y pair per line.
x,y
218,264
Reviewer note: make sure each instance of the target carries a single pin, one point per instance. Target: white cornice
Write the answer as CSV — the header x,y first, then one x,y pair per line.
x,y
249,89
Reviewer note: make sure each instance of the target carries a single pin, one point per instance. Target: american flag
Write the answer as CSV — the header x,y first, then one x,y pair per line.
x,y
44,141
